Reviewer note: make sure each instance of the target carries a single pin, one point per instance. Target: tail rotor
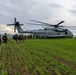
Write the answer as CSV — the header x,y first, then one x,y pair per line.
x,y
15,24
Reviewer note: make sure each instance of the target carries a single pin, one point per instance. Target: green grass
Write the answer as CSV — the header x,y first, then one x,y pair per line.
x,y
39,57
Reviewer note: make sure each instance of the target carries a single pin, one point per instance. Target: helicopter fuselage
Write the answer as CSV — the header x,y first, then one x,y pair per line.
x,y
51,33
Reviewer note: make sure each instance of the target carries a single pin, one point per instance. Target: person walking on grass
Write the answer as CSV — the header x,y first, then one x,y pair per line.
x,y
4,38
0,39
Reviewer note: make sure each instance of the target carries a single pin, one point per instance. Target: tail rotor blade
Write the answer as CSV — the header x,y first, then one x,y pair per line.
x,y
14,20
14,28
21,24
10,24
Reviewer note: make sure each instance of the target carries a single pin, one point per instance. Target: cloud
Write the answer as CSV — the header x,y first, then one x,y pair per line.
x,y
50,11
4,29
53,5
73,11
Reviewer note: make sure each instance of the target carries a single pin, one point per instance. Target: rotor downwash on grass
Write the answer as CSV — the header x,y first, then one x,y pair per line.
x,y
39,57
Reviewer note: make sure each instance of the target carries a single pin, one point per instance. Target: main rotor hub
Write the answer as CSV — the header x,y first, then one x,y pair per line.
x,y
17,23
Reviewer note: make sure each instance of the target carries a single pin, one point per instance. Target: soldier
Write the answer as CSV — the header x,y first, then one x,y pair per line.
x,y
0,39
4,38
20,37
15,37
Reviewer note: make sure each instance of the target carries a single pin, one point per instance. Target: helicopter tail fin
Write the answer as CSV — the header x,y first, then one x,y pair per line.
x,y
19,29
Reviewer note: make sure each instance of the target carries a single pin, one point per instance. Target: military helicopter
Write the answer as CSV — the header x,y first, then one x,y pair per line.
x,y
50,31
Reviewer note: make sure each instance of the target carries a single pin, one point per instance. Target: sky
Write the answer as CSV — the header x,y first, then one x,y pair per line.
x,y
49,11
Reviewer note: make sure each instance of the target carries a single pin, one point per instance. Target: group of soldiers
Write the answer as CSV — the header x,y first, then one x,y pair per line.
x,y
16,37
3,38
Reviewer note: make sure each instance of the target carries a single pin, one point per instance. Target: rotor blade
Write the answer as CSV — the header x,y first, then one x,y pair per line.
x,y
14,28
72,28
21,24
60,22
10,24
14,20
41,22
69,26
34,24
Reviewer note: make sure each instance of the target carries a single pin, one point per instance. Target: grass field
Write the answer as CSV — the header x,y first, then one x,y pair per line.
x,y
39,57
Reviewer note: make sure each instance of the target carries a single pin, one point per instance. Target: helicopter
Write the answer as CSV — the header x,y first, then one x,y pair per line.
x,y
50,31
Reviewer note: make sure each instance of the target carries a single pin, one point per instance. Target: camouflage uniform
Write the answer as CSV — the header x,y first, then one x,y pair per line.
x,y
0,39
4,38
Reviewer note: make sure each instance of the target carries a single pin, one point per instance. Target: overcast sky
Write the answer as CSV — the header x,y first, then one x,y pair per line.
x,y
49,11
